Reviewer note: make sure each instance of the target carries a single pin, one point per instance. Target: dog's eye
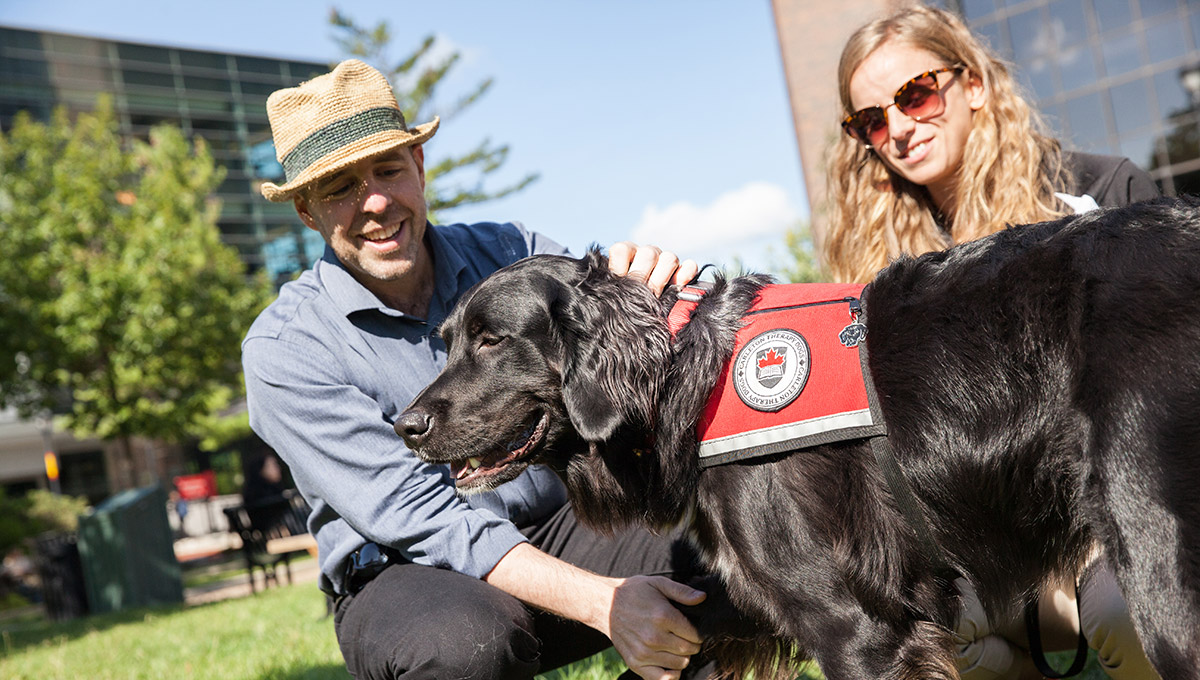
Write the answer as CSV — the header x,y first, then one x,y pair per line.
x,y
490,340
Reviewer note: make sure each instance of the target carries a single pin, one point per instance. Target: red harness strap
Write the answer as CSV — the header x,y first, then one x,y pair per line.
x,y
795,378
689,296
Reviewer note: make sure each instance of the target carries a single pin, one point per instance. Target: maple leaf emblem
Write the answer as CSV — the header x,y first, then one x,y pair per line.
x,y
770,359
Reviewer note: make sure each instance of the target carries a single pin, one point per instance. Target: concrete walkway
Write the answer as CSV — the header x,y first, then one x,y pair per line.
x,y
303,570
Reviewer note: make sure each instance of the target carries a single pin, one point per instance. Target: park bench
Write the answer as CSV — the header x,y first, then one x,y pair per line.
x,y
271,531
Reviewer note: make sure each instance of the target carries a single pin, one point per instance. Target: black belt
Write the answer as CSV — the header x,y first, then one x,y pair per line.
x,y
365,564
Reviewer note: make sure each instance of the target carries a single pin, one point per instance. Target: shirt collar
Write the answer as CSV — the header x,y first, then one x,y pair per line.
x,y
350,296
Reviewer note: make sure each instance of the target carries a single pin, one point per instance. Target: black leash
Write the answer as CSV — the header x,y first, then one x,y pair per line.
x,y
1035,641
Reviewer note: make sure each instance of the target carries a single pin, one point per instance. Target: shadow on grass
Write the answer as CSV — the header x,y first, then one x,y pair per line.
x,y
18,635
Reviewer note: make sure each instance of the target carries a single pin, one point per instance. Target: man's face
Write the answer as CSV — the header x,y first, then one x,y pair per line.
x,y
372,214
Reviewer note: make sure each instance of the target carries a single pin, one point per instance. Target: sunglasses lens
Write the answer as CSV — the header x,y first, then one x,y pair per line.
x,y
919,99
869,126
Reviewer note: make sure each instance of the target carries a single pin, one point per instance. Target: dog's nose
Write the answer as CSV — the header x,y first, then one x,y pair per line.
x,y
414,426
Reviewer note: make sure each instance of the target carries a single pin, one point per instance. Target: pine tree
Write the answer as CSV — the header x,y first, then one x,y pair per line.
x,y
415,79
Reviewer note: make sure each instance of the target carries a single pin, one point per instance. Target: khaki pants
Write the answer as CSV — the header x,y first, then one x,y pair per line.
x,y
999,650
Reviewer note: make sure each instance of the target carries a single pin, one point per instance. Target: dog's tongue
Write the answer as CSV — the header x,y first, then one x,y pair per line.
x,y
464,469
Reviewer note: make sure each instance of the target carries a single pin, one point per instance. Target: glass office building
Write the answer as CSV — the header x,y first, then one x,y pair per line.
x,y
215,95
1111,76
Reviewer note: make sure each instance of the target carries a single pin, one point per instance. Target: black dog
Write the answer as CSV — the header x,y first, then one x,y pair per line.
x,y
1041,390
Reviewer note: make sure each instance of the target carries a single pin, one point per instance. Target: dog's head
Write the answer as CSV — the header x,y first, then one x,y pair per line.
x,y
549,359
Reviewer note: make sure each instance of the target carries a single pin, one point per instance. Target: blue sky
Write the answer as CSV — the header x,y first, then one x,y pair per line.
x,y
663,122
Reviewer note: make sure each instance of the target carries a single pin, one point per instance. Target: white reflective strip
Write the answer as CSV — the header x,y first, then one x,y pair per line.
x,y
790,431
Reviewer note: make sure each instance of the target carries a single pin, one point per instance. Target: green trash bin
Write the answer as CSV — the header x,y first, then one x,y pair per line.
x,y
128,553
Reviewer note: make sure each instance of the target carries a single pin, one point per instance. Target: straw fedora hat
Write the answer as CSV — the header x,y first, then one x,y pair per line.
x,y
335,120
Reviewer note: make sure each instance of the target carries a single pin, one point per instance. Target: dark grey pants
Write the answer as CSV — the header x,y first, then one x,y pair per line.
x,y
418,622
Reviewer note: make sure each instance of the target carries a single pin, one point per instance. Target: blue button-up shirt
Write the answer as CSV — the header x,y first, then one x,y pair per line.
x,y
328,370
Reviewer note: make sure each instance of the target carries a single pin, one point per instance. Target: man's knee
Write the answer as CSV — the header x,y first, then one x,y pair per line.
x,y
418,622
484,645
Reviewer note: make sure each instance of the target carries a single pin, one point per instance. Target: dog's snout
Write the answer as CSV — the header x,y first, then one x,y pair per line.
x,y
414,426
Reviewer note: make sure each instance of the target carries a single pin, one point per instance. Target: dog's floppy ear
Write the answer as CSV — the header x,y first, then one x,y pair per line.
x,y
616,351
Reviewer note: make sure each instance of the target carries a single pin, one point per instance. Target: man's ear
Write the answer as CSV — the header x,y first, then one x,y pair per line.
x,y
302,210
418,154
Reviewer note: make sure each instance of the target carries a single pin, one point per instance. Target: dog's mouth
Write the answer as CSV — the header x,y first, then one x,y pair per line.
x,y
503,465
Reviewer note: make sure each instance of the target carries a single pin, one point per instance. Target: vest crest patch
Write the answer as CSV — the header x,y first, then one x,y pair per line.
x,y
796,377
772,369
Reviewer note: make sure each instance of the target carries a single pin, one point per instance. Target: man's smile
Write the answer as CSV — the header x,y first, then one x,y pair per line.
x,y
384,235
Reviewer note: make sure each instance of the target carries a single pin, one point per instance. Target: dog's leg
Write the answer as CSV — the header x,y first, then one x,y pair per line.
x,y
1141,492
1156,574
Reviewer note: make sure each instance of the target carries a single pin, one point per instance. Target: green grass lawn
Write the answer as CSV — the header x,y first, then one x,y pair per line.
x,y
279,634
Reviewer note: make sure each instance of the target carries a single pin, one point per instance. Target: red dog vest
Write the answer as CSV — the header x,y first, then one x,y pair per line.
x,y
795,378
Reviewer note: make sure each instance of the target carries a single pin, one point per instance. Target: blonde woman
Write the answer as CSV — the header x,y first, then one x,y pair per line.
x,y
970,159
939,149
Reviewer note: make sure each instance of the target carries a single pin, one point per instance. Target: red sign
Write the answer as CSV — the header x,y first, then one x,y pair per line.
x,y
198,486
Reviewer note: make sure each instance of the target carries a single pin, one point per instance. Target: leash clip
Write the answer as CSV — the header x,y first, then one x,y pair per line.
x,y
853,334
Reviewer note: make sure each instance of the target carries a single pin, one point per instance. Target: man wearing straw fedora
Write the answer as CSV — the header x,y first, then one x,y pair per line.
x,y
428,584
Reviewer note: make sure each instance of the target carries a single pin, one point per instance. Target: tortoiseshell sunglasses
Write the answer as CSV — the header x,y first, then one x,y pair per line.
x,y
919,99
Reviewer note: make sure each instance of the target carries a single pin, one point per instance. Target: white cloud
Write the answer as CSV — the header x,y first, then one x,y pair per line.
x,y
746,224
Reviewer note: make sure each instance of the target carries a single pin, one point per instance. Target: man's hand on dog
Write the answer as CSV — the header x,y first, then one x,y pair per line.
x,y
649,633
650,264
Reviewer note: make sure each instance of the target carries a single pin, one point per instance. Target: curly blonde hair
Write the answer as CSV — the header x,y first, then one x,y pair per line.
x,y
1009,172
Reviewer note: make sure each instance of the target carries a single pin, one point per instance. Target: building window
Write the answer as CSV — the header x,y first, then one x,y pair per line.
x,y
143,53
1111,76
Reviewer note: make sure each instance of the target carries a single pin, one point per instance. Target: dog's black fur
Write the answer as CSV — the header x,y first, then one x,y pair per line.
x,y
1041,388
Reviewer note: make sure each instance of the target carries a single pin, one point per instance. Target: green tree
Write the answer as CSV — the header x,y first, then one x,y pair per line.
x,y
23,518
452,181
802,265
121,308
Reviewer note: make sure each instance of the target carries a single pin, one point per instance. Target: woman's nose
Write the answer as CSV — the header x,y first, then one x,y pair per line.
x,y
900,125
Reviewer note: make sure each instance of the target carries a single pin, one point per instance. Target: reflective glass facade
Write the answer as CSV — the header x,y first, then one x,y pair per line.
x,y
1111,76
218,96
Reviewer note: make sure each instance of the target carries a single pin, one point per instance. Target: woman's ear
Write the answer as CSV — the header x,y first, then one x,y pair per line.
x,y
977,94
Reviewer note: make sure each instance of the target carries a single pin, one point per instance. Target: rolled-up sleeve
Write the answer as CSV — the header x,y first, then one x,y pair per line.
x,y
340,449
329,368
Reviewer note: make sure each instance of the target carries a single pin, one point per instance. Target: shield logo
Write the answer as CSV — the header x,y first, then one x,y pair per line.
x,y
771,369
770,364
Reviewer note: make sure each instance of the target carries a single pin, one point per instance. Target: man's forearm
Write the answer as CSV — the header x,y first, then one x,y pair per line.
x,y
548,583
636,613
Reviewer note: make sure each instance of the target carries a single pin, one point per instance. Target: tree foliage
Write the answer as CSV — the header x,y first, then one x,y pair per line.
x,y
451,181
38,511
120,308
802,265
